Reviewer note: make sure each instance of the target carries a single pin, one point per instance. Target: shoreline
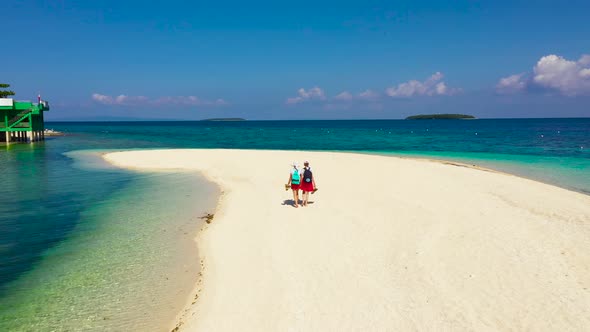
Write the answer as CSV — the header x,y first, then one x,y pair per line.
x,y
189,299
185,319
193,296
466,164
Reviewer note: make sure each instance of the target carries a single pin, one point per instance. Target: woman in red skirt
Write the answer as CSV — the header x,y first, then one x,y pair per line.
x,y
307,183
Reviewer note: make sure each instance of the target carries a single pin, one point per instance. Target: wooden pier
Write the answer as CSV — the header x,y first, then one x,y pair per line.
x,y
22,121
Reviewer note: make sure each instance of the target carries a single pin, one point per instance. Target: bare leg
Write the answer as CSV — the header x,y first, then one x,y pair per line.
x,y
296,197
305,197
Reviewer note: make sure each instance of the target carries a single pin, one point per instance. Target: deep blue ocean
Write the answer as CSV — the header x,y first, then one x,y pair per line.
x,y
67,219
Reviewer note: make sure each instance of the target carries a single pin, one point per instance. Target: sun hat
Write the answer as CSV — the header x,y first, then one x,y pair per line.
x,y
294,164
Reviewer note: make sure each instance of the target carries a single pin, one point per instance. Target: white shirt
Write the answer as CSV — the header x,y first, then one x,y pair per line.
x,y
300,170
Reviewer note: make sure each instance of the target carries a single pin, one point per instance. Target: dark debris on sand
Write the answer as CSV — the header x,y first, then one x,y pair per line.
x,y
208,217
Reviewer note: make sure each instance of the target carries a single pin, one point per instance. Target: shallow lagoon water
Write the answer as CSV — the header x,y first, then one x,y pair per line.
x,y
129,261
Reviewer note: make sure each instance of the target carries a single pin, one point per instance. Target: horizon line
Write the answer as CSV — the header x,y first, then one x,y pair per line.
x,y
351,119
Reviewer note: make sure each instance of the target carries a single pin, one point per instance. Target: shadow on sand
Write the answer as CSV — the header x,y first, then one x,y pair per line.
x,y
290,202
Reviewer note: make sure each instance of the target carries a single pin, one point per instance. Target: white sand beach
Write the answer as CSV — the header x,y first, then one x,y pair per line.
x,y
389,244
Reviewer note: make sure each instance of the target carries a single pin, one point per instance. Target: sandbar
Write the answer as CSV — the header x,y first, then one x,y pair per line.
x,y
387,244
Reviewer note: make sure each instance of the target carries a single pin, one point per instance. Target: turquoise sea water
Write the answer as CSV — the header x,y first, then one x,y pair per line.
x,y
85,246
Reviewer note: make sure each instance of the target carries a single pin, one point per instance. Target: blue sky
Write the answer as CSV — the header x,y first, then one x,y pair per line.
x,y
299,60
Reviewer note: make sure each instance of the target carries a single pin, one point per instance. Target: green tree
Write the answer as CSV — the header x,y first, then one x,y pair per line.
x,y
5,93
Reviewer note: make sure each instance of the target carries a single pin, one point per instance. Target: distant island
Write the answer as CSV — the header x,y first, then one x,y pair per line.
x,y
224,119
440,116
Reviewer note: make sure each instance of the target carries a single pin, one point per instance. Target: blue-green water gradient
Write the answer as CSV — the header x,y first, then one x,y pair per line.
x,y
550,150
54,202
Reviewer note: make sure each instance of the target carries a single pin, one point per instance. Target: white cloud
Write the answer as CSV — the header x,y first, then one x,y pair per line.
x,y
119,100
368,95
125,100
570,78
129,100
433,86
584,60
511,84
103,99
314,93
344,96
552,73
443,90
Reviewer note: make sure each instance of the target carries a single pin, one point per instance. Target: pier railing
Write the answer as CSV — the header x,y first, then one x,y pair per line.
x,y
19,117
